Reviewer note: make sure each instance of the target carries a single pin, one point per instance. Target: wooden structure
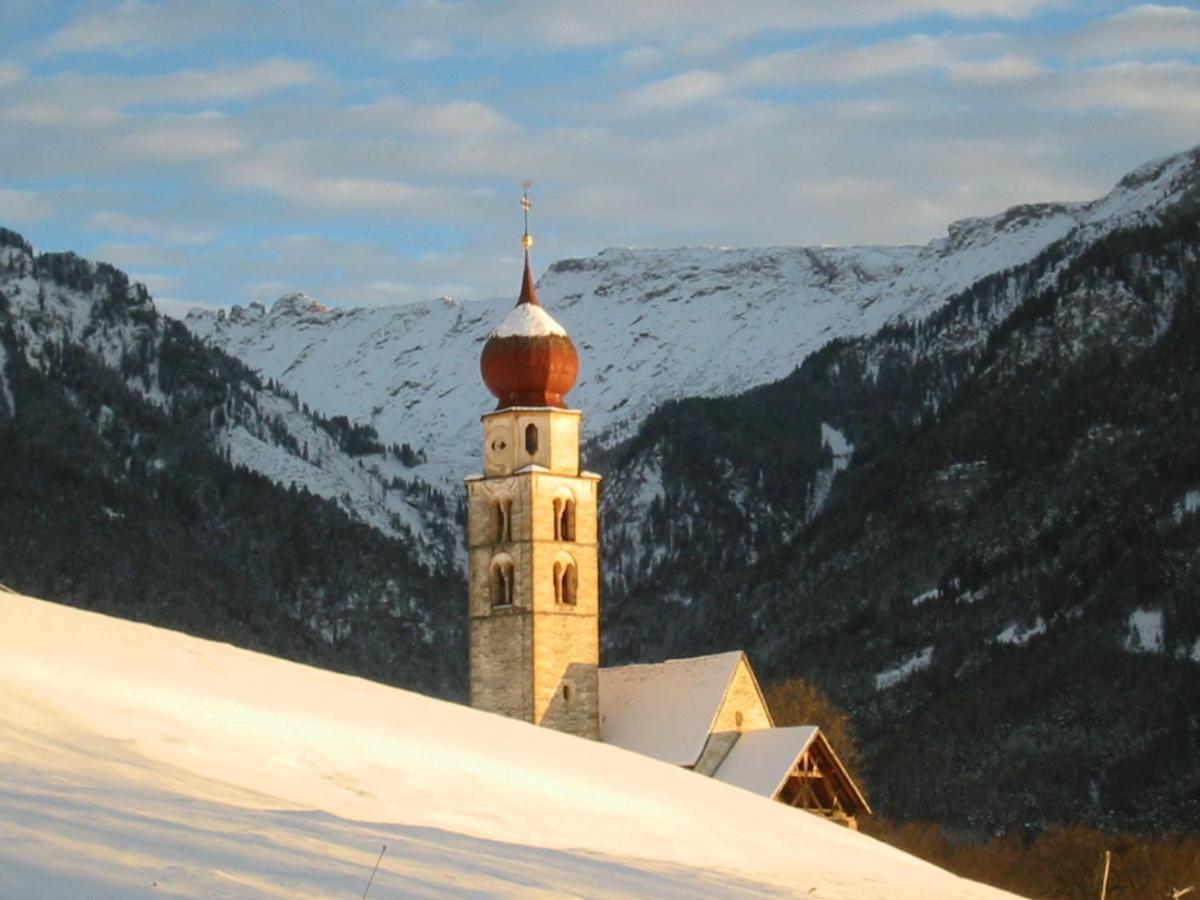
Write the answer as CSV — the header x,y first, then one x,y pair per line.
x,y
799,767
707,713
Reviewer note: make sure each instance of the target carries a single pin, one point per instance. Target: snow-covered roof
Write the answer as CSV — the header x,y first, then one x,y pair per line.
x,y
665,710
528,320
760,760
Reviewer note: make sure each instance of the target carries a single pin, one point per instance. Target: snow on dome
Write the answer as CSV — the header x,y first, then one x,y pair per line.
x,y
527,320
530,359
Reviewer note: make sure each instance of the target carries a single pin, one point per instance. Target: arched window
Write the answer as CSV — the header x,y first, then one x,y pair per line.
x,y
501,521
502,581
564,516
566,582
531,439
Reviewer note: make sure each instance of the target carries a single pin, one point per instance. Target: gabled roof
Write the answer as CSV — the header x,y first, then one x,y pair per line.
x,y
761,761
665,710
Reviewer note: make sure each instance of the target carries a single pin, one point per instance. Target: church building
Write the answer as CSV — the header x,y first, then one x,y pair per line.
x,y
534,599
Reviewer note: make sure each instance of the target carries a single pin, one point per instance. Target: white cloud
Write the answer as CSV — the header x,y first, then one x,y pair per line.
x,y
433,29
179,139
684,89
1170,88
177,231
1001,70
135,26
11,73
1140,30
884,59
140,256
197,86
643,57
23,206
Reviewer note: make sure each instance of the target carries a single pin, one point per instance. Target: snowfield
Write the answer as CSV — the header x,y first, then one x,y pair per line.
x,y
138,762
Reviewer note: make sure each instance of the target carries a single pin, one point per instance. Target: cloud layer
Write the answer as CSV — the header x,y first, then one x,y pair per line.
x,y
230,151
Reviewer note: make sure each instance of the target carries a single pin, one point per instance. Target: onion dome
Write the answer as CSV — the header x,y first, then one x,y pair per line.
x,y
529,359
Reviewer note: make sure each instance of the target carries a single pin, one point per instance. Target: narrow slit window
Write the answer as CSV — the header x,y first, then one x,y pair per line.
x,y
531,439
502,584
566,583
502,521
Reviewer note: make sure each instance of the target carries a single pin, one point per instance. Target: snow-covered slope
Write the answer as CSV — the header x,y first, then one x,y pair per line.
x,y
650,324
140,762
59,299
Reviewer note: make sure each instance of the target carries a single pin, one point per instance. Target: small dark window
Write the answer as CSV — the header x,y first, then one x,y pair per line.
x,y
566,583
502,584
564,519
501,521
531,439
566,692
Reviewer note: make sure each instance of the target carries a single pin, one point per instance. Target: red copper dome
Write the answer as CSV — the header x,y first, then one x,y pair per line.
x,y
529,359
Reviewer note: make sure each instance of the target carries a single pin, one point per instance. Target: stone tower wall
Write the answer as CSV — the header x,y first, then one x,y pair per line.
x,y
538,659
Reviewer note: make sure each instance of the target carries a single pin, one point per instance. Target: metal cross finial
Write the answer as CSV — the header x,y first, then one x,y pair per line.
x,y
527,239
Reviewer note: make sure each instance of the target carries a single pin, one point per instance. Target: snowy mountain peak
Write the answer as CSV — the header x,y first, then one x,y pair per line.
x,y
652,324
297,304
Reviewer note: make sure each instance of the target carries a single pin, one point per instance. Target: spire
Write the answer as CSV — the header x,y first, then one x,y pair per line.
x,y
528,291
528,359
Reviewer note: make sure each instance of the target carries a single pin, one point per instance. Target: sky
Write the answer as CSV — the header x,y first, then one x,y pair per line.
x,y
369,153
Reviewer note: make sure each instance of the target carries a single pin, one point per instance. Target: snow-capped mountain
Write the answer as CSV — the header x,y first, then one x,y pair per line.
x,y
133,481
59,299
650,325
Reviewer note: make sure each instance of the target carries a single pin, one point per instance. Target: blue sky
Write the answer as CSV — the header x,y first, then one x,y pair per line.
x,y
367,153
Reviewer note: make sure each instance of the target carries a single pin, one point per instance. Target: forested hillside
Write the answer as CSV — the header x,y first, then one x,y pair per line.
x,y
117,492
1001,583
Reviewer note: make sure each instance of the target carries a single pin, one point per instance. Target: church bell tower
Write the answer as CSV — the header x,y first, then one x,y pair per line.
x,y
533,597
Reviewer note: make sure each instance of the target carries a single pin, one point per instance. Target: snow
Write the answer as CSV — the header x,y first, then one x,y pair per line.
x,y
1188,504
5,392
1145,631
528,320
139,762
665,710
761,760
912,665
1020,634
931,594
842,451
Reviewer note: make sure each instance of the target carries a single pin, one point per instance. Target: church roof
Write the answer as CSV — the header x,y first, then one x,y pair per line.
x,y
761,760
665,710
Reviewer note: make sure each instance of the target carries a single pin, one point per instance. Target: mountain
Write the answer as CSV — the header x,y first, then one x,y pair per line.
x,y
977,530
927,478
954,485
136,761
651,325
133,482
